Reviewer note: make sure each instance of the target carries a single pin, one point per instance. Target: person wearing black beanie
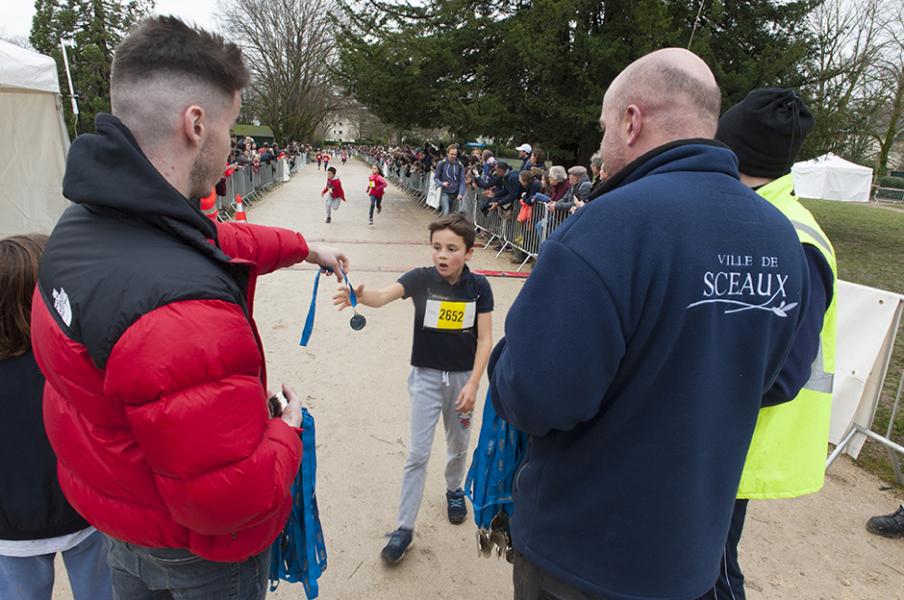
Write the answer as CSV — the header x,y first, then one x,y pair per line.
x,y
766,130
787,454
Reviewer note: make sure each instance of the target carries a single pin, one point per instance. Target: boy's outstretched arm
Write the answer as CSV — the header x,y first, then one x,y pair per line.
x,y
468,395
372,298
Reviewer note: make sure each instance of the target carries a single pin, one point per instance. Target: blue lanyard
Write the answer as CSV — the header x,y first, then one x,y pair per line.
x,y
309,322
299,553
499,451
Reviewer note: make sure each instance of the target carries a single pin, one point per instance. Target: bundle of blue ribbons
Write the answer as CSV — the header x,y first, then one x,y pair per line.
x,y
493,465
298,553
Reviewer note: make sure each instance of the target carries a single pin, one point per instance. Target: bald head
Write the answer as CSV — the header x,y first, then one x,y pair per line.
x,y
664,96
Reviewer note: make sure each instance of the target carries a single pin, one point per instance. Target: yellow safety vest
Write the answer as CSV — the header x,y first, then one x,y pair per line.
x,y
787,456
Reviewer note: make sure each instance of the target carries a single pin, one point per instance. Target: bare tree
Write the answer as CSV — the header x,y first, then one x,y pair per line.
x,y
857,79
290,50
888,92
850,39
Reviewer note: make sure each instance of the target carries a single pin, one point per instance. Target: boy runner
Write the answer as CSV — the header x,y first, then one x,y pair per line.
x,y
453,330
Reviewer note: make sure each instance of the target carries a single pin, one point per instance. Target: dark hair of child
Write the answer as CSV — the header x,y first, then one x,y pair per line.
x,y
20,257
458,224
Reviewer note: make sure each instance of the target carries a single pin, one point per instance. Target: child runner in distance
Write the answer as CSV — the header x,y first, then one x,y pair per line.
x,y
334,187
453,337
375,187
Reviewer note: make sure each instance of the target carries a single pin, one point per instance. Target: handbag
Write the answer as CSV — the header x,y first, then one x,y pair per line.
x,y
506,212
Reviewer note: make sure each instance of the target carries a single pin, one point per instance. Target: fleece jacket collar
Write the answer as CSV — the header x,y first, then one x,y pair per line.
x,y
643,165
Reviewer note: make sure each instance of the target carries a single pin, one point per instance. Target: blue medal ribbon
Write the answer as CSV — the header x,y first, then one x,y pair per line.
x,y
357,321
500,449
299,553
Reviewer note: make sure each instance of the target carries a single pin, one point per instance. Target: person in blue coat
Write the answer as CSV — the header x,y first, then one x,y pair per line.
x,y
683,293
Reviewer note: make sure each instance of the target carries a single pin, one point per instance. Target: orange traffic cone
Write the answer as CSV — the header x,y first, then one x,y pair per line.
x,y
209,205
240,210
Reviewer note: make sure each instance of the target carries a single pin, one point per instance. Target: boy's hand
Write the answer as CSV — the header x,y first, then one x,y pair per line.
x,y
466,398
342,299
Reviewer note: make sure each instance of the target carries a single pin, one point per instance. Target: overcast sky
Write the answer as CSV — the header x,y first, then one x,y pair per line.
x,y
17,14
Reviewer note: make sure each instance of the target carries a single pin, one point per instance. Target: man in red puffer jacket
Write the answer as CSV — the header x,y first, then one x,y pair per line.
x,y
156,401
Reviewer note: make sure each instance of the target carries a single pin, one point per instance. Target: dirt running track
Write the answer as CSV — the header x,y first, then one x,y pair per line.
x,y
354,383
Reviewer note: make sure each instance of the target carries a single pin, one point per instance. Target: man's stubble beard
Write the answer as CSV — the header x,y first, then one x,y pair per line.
x,y
205,172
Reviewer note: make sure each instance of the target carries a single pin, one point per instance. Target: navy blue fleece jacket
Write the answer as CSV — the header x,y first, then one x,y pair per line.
x,y
684,290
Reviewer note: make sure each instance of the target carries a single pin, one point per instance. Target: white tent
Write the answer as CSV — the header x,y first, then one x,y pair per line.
x,y
830,177
33,152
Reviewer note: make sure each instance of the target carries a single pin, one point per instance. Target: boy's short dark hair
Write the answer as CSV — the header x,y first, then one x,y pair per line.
x,y
458,224
331,170
166,45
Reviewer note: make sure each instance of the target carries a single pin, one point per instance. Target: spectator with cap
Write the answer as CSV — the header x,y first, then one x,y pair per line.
x,y
579,190
788,452
524,152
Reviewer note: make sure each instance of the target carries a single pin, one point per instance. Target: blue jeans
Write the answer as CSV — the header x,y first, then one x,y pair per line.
x,y
447,202
31,578
141,573
374,201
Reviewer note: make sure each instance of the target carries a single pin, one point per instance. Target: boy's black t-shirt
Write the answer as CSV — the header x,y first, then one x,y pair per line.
x,y
440,350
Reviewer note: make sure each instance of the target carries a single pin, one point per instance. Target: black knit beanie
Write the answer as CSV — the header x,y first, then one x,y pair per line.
x,y
766,130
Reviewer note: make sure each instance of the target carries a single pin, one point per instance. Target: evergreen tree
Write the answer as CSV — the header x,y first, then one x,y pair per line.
x,y
91,29
536,71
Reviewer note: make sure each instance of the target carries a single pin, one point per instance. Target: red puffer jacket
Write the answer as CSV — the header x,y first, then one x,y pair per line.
x,y
171,445
155,402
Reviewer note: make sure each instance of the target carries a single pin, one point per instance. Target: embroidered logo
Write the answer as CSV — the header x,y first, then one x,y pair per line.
x,y
746,288
61,304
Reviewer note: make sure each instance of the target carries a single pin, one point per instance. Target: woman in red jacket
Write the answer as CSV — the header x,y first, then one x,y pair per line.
x,y
376,187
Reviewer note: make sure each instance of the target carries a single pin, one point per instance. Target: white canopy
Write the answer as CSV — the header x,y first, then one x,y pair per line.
x,y
830,177
33,160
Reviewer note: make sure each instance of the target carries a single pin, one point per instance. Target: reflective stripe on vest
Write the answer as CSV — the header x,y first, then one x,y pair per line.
x,y
788,451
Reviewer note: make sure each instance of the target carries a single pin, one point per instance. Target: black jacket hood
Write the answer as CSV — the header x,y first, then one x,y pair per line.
x,y
109,171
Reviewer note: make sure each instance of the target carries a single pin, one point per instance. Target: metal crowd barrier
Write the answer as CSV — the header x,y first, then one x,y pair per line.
x,y
250,186
889,195
525,237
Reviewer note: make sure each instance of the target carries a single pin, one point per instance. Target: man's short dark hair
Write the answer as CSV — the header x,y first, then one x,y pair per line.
x,y
458,224
166,45
331,170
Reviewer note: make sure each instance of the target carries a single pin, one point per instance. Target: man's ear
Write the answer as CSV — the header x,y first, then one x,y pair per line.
x,y
633,123
193,124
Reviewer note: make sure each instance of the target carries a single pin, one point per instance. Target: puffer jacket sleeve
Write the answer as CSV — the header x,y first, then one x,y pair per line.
x,y
270,248
199,416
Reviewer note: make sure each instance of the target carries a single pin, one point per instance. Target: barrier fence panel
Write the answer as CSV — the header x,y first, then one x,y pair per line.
x,y
524,236
246,183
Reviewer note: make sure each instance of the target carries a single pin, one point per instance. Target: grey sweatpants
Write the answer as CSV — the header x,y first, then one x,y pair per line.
x,y
433,393
332,204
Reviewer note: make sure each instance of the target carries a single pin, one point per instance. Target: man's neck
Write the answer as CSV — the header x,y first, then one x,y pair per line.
x,y
754,182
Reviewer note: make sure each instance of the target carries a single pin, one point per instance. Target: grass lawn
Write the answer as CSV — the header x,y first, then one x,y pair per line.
x,y
869,246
